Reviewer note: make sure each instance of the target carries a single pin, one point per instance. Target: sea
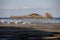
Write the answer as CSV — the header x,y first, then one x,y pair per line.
x,y
34,20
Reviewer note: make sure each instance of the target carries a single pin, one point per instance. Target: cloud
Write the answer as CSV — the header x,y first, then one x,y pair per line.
x,y
58,10
47,6
26,7
9,7
14,7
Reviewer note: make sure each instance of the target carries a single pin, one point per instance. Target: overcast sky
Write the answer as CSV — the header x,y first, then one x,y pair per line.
x,y
23,7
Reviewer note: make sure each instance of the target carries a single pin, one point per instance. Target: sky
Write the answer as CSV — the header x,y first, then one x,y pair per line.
x,y
23,7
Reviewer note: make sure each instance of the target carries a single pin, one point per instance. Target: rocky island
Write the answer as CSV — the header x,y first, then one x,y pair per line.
x,y
34,15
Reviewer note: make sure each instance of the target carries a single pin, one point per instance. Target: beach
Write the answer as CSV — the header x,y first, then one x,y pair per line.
x,y
27,31
44,27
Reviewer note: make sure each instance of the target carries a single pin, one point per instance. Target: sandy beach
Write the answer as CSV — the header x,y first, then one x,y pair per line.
x,y
48,28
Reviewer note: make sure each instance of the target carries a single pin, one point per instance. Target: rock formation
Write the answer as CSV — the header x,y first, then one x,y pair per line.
x,y
47,15
33,15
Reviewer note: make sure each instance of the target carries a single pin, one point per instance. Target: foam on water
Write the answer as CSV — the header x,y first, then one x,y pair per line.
x,y
33,20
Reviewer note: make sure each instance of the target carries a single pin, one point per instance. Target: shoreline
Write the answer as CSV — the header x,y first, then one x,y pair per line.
x,y
49,28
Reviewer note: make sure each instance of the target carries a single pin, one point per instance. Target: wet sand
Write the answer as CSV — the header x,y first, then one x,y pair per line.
x,y
48,28
28,32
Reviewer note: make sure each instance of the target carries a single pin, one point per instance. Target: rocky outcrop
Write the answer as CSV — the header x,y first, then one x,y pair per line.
x,y
47,15
33,15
